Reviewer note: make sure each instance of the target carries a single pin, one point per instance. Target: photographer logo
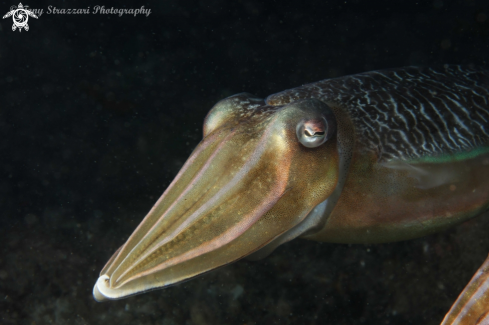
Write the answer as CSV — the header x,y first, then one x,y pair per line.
x,y
20,15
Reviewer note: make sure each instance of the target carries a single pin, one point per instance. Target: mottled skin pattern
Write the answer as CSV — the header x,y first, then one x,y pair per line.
x,y
409,113
409,156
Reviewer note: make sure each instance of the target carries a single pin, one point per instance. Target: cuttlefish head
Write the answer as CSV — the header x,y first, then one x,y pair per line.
x,y
257,173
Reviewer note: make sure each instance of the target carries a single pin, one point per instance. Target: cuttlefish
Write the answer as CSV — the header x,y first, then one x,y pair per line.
x,y
375,157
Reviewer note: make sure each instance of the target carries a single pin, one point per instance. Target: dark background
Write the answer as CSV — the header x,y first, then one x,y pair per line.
x,y
99,112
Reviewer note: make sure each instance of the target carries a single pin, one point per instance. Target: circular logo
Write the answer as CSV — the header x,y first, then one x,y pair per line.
x,y
20,17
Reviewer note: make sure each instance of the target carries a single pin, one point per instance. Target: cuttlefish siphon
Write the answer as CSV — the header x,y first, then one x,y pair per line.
x,y
375,157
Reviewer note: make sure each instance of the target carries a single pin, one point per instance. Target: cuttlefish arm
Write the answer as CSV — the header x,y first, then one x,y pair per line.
x,y
375,157
242,187
472,306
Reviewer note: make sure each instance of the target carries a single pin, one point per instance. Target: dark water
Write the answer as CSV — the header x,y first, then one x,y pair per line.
x,y
98,113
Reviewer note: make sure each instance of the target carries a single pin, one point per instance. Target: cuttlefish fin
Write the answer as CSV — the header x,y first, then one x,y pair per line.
x,y
426,176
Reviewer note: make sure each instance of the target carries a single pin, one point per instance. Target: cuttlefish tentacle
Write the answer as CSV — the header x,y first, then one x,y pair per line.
x,y
375,157
472,306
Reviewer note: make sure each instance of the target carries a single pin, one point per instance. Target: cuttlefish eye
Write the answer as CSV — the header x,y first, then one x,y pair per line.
x,y
314,132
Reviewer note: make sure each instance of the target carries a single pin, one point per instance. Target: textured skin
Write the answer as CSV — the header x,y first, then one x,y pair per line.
x,y
409,113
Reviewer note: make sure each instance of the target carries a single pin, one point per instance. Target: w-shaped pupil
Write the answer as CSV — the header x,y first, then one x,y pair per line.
x,y
315,134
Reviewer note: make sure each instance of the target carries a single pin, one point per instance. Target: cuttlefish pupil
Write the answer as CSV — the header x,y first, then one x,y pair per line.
x,y
316,134
369,158
313,133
